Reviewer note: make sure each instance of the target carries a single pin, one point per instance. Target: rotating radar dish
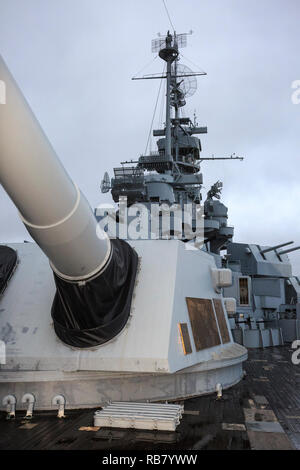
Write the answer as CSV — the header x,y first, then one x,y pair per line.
x,y
185,79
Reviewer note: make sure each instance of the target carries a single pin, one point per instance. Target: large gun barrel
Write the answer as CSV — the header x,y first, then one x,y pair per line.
x,y
94,276
272,248
54,211
284,252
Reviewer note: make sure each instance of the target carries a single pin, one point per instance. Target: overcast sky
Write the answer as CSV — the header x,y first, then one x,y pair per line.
x,y
74,60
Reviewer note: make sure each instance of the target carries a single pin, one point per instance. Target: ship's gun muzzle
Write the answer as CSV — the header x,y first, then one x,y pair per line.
x,y
92,273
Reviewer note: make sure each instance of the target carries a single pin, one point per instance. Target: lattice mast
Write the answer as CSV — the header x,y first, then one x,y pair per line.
x,y
169,53
167,49
178,149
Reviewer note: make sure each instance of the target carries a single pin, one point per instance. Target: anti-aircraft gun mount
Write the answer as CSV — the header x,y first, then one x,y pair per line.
x,y
106,320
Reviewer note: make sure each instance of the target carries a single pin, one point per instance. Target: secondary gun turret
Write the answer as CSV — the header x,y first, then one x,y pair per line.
x,y
94,276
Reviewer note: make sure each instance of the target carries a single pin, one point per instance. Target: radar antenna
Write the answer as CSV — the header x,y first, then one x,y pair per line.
x,y
105,183
215,190
178,40
181,81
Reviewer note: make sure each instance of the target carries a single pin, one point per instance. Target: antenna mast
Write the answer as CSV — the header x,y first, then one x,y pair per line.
x,y
169,53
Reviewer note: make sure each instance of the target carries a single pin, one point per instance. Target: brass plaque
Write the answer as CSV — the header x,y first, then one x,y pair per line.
x,y
203,322
185,338
221,320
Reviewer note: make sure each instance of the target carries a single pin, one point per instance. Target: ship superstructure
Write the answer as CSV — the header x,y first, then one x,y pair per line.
x,y
171,174
266,293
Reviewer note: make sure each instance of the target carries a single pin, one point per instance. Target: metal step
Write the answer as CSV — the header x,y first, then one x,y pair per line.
x,y
160,416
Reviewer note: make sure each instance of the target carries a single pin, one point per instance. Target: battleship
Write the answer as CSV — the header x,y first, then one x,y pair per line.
x,y
150,301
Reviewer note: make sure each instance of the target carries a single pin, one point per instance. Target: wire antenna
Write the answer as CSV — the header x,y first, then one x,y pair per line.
x,y
154,112
168,15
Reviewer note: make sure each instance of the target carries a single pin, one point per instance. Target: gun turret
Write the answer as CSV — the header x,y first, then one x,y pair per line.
x,y
60,220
